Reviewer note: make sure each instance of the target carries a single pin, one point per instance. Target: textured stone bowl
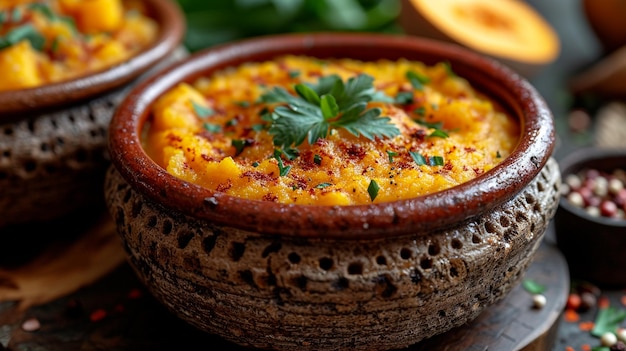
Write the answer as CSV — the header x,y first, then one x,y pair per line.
x,y
379,276
593,246
53,138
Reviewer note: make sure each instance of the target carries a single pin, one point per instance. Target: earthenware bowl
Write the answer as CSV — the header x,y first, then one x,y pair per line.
x,y
377,276
594,246
53,138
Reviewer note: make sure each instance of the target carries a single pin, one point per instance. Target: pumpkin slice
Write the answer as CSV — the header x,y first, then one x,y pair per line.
x,y
508,30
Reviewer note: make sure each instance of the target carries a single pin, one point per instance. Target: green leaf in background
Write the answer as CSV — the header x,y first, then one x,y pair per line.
x,y
608,320
214,22
533,287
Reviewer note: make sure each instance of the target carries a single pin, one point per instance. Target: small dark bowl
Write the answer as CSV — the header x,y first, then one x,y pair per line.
x,y
53,138
593,246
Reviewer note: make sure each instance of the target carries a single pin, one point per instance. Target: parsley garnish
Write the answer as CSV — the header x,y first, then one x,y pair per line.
x,y
533,287
322,185
213,128
498,154
420,160
391,155
330,104
404,98
242,103
294,74
281,167
317,159
238,144
372,189
24,32
417,80
201,111
258,127
438,133
255,164
608,320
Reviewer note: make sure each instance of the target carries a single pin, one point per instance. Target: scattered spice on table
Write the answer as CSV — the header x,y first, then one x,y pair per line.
x,y
98,315
31,325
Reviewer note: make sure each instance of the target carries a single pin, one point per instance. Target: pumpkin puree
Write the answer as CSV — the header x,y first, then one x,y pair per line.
x,y
212,132
49,41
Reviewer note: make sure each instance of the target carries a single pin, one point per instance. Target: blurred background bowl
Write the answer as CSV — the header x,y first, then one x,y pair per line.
x,y
53,138
594,245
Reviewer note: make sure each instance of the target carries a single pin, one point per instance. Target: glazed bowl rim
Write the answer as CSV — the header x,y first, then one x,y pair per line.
x,y
414,216
171,21
577,159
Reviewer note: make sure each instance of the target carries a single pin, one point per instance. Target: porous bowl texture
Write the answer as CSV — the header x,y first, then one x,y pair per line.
x,y
361,277
593,245
53,137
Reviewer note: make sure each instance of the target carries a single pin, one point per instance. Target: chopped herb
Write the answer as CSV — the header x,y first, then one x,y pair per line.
x,y
281,167
201,111
404,98
421,111
23,32
533,287
418,158
417,80
16,15
213,128
328,105
434,106
433,125
372,189
608,320
498,154
232,122
239,145
290,153
3,17
43,9
322,185
255,164
317,159
54,46
258,127
436,161
294,74
242,103
438,133
449,70
391,155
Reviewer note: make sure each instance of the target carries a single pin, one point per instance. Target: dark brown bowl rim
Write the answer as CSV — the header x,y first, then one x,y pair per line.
x,y
580,159
171,22
415,216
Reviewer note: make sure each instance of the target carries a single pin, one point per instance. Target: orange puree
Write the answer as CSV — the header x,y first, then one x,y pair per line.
x,y
49,41
219,133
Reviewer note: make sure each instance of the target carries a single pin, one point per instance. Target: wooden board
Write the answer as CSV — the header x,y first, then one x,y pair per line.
x,y
116,312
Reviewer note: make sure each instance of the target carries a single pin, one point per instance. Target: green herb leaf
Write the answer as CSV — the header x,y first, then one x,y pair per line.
x,y
436,161
23,32
420,111
3,17
213,128
372,189
438,133
608,320
258,127
317,159
418,158
533,287
404,98
322,185
417,80
242,103
239,145
281,167
432,125
391,155
255,164
329,104
294,74
498,154
201,111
